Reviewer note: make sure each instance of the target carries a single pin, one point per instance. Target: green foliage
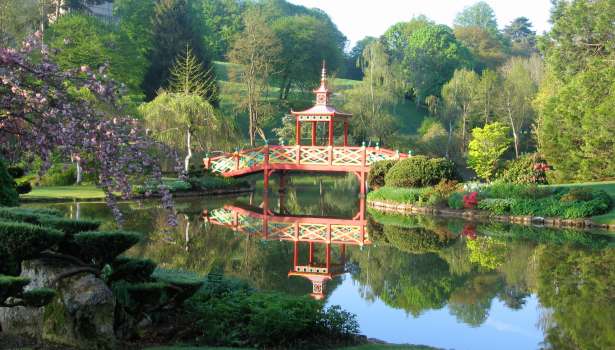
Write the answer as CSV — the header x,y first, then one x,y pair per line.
x,y
396,194
49,218
487,252
455,200
212,182
577,195
523,170
134,298
38,297
8,194
176,24
416,240
550,236
419,171
515,191
576,96
479,15
11,286
86,40
498,206
173,185
100,247
231,314
131,269
21,241
486,148
59,175
431,57
377,171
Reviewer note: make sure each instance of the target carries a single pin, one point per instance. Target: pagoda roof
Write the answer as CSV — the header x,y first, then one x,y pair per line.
x,y
322,110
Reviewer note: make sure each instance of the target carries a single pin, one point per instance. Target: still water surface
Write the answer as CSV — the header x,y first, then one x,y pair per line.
x,y
444,283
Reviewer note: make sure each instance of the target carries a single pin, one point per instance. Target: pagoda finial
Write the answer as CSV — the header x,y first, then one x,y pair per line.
x,y
323,78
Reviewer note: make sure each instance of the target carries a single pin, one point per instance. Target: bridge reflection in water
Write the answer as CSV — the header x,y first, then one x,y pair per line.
x,y
312,231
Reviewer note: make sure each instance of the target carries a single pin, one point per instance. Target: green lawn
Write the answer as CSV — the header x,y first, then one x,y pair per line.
x,y
608,187
65,192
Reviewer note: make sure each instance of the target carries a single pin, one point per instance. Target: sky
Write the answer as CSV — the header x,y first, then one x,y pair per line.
x,y
360,18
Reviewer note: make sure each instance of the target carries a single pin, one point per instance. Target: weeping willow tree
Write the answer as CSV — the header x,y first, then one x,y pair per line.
x,y
183,117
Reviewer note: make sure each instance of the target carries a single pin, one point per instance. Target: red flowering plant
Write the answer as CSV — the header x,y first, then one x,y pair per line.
x,y
47,111
470,200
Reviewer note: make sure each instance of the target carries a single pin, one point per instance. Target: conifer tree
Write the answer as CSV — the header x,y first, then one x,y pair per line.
x,y
189,77
175,25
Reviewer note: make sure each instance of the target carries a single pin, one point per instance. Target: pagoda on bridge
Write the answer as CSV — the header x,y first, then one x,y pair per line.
x,y
321,112
318,273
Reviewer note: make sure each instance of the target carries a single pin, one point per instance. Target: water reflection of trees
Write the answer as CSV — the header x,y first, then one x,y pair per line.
x,y
418,265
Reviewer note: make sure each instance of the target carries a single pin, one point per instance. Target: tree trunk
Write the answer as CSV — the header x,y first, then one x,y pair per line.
x,y
189,150
450,136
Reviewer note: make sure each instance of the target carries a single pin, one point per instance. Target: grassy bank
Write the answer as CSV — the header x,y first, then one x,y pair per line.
x,y
84,192
567,201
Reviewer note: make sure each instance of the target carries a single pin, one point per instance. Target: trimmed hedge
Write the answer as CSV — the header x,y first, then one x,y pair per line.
x,y
377,172
22,241
420,171
38,297
131,269
211,182
100,247
11,286
48,217
8,194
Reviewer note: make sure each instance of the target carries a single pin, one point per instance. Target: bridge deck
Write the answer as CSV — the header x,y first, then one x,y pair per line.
x,y
301,158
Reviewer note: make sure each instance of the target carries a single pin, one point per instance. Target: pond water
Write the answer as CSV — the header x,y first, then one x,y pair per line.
x,y
444,283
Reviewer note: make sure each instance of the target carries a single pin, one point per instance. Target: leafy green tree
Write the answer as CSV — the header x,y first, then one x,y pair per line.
x,y
306,42
181,121
372,100
487,46
175,25
397,37
479,15
431,57
136,21
487,252
460,99
85,40
18,18
575,125
515,98
255,51
223,21
486,148
353,68
523,38
487,91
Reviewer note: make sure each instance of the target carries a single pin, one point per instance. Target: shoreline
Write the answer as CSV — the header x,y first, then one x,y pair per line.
x,y
481,215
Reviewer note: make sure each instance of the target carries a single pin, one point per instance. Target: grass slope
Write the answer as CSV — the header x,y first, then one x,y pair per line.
x,y
606,186
65,192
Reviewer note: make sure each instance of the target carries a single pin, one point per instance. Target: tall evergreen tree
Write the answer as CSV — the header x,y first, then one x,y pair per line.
x,y
175,25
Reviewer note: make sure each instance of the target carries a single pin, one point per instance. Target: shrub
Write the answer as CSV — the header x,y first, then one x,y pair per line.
x,y
69,226
134,298
131,269
499,206
438,195
232,314
377,172
455,200
211,182
173,185
22,241
16,171
60,175
11,286
487,146
23,187
577,194
100,247
38,297
8,194
399,195
527,169
516,191
470,200
419,171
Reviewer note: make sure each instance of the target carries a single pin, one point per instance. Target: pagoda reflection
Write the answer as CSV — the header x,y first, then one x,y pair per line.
x,y
319,242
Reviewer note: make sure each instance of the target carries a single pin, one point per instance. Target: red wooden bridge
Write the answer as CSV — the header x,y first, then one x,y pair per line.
x,y
316,158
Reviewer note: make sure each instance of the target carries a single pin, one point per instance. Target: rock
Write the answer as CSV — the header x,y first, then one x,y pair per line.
x,y
81,315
